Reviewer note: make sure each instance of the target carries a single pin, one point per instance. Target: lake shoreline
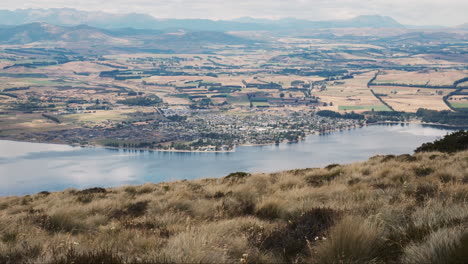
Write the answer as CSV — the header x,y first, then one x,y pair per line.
x,y
53,167
236,146
420,123
179,151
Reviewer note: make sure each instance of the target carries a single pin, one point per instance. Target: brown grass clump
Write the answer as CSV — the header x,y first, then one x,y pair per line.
x,y
389,209
352,240
442,247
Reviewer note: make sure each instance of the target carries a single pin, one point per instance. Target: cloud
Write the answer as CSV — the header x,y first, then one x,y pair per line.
x,y
417,12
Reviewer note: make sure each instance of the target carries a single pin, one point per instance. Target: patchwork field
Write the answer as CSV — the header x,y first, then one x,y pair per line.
x,y
427,77
409,99
350,94
356,108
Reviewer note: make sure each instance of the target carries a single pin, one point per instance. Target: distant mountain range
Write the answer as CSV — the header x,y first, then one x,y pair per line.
x,y
463,26
179,40
38,32
136,40
73,17
371,21
73,29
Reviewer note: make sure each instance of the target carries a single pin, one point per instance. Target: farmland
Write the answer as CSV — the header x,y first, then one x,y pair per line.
x,y
216,96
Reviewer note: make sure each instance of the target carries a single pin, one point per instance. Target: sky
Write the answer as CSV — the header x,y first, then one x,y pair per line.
x,y
410,12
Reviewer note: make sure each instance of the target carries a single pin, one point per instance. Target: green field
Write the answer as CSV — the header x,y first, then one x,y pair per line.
x,y
260,104
43,82
363,107
459,104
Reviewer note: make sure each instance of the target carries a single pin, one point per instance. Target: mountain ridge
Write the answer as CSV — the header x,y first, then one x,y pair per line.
x,y
83,37
72,17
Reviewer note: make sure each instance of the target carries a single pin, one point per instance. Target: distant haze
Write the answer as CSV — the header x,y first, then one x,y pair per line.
x,y
410,12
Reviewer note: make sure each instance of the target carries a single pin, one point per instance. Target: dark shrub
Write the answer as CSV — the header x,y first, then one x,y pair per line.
x,y
425,191
233,206
8,237
301,171
269,211
57,223
131,190
446,178
235,177
292,239
3,206
465,179
92,190
406,158
354,181
318,180
20,255
218,195
331,166
86,198
382,186
456,141
423,171
388,158
137,209
101,256
26,200
132,210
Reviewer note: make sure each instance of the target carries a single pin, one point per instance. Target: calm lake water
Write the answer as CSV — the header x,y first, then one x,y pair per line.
x,y
27,168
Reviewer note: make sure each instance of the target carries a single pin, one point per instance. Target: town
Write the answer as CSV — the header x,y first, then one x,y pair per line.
x,y
218,90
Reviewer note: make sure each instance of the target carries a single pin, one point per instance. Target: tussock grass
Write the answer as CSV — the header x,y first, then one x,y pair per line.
x,y
448,245
389,209
352,240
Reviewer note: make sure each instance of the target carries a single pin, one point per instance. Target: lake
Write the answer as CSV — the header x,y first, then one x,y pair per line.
x,y
27,168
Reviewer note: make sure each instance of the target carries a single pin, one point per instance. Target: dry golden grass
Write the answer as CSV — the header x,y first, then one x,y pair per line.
x,y
77,66
405,208
443,77
350,93
410,99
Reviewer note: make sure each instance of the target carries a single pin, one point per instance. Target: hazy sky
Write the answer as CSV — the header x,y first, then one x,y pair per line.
x,y
415,12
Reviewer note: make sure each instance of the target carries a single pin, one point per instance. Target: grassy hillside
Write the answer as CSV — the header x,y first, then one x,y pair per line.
x,y
410,209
